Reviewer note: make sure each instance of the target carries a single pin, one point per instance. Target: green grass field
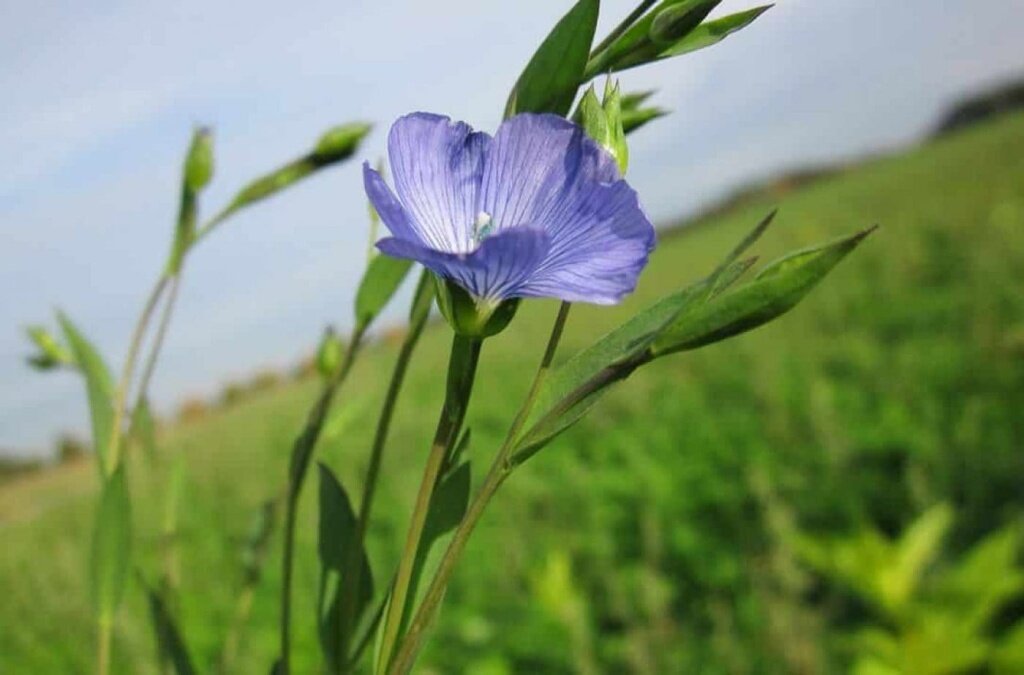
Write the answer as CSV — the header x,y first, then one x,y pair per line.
x,y
651,538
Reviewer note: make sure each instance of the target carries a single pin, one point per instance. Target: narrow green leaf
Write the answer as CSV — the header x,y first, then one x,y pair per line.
x,y
635,43
713,32
111,546
634,119
51,353
143,428
169,639
776,289
634,99
638,46
744,244
574,386
99,388
337,535
335,145
551,78
380,282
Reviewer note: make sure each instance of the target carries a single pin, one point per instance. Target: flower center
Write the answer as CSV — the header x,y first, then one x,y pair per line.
x,y
483,228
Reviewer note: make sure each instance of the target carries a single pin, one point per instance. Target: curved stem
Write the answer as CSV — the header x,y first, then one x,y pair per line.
x,y
121,397
301,454
462,366
497,474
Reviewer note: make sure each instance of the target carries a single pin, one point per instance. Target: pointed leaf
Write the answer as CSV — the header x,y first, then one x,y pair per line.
x,y
551,78
713,32
566,394
338,529
777,289
634,119
99,388
381,280
169,639
111,546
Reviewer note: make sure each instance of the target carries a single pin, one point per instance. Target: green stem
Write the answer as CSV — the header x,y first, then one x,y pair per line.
x,y
499,471
158,341
103,647
304,445
461,372
417,321
121,397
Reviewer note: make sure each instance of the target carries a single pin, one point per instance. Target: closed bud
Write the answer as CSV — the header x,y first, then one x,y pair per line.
x,y
676,21
602,120
51,353
469,316
199,162
328,355
340,142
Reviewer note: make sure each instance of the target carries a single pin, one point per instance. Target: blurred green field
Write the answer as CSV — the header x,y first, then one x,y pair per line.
x,y
655,536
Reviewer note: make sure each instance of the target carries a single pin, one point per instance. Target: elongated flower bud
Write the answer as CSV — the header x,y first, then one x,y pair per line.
x,y
199,162
51,353
602,120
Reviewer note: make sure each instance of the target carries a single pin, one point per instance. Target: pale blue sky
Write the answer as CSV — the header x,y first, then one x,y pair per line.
x,y
100,98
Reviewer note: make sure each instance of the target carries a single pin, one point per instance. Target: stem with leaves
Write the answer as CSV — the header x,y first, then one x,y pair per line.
x,y
462,365
302,452
501,467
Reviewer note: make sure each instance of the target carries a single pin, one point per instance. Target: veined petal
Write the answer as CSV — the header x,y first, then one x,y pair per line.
x,y
498,269
536,169
599,252
546,171
437,166
387,205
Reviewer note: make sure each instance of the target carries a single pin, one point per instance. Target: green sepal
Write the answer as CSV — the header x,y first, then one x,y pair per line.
x,y
467,316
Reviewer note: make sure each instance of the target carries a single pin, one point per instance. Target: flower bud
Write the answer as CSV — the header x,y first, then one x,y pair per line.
x,y
473,317
603,122
340,142
328,355
51,353
199,162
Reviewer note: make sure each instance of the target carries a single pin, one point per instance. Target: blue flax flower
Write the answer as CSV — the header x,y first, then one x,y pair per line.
x,y
539,210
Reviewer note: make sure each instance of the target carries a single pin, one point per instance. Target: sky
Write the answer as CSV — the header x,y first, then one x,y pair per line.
x,y
100,99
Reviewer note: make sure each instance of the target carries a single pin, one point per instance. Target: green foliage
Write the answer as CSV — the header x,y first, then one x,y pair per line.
x,y
99,390
931,624
143,428
336,539
169,639
554,73
673,28
896,386
379,284
111,546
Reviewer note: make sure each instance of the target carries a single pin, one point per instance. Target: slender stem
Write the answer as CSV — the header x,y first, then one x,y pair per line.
x,y
307,438
418,320
461,373
103,647
640,10
499,471
158,341
121,397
